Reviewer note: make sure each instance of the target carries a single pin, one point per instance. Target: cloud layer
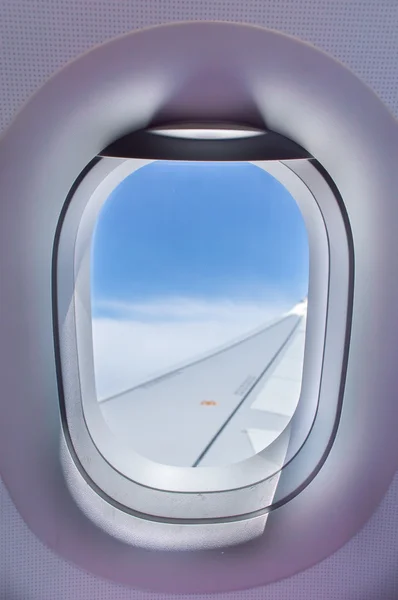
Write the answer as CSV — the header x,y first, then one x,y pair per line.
x,y
141,340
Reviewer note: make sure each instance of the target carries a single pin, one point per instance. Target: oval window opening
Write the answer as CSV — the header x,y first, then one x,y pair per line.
x,y
199,279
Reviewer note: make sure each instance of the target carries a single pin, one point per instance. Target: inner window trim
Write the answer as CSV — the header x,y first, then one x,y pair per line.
x,y
243,476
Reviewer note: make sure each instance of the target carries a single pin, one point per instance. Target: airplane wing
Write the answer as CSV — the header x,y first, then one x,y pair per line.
x,y
219,409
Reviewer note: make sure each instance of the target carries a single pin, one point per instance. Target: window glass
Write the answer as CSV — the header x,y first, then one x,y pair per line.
x,y
199,279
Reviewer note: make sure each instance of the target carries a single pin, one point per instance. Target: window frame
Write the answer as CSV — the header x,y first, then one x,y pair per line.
x,y
242,488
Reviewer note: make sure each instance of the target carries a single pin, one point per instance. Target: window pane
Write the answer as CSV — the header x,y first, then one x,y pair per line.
x,y
199,279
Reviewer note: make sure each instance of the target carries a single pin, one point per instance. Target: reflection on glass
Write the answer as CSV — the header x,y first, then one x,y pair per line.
x,y
199,282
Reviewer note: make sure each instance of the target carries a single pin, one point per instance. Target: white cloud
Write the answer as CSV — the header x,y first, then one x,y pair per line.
x,y
156,336
190,309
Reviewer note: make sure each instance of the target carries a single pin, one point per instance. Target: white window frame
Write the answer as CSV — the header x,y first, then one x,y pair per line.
x,y
128,84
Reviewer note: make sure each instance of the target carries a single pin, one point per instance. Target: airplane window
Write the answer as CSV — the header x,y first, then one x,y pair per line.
x,y
199,280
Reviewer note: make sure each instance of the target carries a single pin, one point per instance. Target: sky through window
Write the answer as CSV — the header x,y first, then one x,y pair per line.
x,y
187,257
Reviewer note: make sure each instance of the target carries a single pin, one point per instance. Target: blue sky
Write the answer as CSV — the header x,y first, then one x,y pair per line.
x,y
186,257
199,230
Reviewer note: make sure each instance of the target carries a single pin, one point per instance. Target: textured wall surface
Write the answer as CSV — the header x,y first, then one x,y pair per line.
x,y
37,37
364,569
